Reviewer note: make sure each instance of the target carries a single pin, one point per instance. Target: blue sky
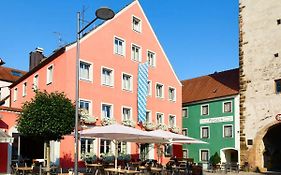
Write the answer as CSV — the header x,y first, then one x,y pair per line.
x,y
198,36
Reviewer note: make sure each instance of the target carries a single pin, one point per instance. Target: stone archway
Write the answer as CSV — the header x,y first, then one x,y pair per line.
x,y
272,145
255,154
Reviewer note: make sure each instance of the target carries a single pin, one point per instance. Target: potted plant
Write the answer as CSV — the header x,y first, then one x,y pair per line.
x,y
107,121
108,158
129,123
162,126
85,118
89,158
149,126
174,129
214,161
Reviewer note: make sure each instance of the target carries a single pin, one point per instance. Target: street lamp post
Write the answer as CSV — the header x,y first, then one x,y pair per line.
x,y
102,13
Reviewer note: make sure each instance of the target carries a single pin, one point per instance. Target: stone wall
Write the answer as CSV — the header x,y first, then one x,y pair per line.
x,y
260,65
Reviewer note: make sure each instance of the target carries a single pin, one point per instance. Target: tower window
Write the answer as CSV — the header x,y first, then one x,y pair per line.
x,y
278,86
278,21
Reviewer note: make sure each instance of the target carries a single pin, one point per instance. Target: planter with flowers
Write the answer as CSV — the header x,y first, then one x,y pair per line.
x,y
149,126
162,126
129,123
107,121
174,129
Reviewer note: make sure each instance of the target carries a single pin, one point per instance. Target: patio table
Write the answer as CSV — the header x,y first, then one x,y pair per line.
x,y
96,166
120,171
24,168
156,170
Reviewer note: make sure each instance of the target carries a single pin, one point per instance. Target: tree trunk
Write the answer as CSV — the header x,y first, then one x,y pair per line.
x,y
48,157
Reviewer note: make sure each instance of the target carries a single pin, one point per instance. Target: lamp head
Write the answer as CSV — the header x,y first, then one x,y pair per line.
x,y
105,13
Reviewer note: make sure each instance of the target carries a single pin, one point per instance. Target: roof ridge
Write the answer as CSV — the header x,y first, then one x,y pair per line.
x,y
215,73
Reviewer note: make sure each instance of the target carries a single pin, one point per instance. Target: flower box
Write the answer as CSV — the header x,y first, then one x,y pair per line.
x,y
174,129
162,126
107,121
149,126
129,123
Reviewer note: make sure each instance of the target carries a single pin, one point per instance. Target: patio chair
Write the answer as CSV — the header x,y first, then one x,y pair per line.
x,y
14,169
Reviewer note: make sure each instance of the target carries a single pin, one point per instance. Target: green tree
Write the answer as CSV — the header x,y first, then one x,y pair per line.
x,y
215,160
47,116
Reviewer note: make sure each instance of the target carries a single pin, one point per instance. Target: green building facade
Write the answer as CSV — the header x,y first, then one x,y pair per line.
x,y
212,116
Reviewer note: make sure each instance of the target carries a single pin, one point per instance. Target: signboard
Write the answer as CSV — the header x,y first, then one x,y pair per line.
x,y
278,117
217,120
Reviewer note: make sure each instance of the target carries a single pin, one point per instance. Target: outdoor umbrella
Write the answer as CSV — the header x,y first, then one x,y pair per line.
x,y
176,138
117,132
5,138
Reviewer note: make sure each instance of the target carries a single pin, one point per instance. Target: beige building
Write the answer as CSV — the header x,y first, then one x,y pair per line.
x,y
260,83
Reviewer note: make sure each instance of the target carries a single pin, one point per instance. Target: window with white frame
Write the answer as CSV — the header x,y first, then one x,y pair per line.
x,y
104,146
151,59
149,89
172,94
86,147
24,88
127,113
148,116
86,105
85,71
184,131
119,46
122,148
172,120
127,82
136,53
205,132
204,155
15,94
35,82
205,110
185,112
168,150
107,111
227,131
159,90
227,106
50,72
107,77
136,23
185,153
159,118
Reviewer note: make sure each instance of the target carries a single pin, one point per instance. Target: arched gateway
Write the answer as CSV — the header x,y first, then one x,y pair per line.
x,y
265,154
272,148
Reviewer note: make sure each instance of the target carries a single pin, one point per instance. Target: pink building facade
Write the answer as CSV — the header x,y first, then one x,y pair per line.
x,y
109,59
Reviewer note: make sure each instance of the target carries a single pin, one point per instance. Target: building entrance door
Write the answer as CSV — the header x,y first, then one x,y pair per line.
x,y
272,152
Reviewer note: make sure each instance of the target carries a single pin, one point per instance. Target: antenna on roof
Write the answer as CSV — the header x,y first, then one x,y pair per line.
x,y
84,8
60,41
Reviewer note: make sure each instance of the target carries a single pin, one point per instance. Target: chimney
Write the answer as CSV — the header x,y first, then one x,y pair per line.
x,y
35,57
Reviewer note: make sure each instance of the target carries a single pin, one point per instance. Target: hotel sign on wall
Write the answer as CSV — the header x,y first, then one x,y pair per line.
x,y
216,120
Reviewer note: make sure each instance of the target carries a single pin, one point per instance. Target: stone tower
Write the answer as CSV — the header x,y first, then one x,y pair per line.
x,y
260,84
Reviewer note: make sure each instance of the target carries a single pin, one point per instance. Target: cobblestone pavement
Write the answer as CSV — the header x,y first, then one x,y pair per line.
x,y
240,173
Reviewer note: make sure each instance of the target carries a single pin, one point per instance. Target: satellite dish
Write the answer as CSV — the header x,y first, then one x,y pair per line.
x,y
105,13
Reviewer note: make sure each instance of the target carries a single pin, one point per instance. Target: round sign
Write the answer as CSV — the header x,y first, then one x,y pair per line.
x,y
278,117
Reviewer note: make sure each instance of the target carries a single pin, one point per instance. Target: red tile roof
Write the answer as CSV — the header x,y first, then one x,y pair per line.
x,y
211,86
10,74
